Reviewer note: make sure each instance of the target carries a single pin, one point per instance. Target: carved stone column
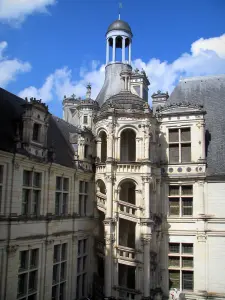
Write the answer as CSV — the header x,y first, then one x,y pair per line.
x,y
147,180
123,49
114,49
109,240
98,147
109,194
147,267
202,139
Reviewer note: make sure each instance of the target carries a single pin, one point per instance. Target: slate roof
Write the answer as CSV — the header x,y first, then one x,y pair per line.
x,y
208,91
11,111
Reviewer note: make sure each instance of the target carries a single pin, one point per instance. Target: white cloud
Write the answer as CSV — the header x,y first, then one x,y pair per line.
x,y
15,11
207,56
10,68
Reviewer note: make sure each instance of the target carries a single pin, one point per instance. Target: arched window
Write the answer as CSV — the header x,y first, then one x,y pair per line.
x,y
128,145
127,192
103,146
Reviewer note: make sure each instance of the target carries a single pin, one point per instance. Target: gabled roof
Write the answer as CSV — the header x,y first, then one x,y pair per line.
x,y
208,91
11,110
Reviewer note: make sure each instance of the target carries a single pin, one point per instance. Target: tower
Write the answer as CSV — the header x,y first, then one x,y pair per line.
x,y
127,177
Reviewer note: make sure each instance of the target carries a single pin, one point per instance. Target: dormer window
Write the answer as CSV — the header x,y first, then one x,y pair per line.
x,y
85,120
36,132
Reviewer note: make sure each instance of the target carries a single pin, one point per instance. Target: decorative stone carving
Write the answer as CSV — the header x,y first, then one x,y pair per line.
x,y
49,242
109,239
146,179
11,249
201,237
16,166
146,239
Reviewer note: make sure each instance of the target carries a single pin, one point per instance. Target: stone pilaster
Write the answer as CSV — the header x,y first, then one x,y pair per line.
x,y
146,239
12,252
200,261
48,259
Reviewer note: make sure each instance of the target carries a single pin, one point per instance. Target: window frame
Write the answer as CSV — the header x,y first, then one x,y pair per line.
x,y
62,195
84,187
38,132
181,268
82,268
179,143
30,189
181,198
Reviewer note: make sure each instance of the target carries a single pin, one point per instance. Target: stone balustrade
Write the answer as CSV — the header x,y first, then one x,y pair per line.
x,y
127,208
101,169
128,168
125,293
101,200
126,253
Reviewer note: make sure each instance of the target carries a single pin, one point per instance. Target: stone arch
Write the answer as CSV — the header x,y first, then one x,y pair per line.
x,y
128,145
101,187
127,191
103,152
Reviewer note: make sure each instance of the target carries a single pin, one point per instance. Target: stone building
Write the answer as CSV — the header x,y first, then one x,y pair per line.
x,y
120,199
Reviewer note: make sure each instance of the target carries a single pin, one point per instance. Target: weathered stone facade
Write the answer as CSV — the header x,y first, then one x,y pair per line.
x,y
119,200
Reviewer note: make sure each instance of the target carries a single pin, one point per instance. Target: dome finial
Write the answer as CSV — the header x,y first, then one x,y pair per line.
x,y
120,7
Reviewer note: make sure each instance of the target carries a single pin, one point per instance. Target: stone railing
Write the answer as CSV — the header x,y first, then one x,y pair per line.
x,y
125,293
128,168
126,253
101,200
127,208
100,169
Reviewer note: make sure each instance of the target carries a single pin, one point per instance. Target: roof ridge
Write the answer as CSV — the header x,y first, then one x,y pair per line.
x,y
201,77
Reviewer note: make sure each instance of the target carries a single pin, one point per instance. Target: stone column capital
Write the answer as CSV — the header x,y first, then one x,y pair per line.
x,y
12,249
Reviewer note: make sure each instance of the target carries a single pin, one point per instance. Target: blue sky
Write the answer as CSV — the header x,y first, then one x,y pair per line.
x,y
49,48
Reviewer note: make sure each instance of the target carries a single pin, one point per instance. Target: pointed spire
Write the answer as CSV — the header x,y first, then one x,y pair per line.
x,y
120,7
88,93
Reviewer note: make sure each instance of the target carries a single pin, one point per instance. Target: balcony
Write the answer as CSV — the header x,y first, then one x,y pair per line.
x,y
127,209
126,253
100,168
128,167
101,201
126,294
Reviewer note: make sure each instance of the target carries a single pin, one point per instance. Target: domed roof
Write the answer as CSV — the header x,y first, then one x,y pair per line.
x,y
124,101
120,25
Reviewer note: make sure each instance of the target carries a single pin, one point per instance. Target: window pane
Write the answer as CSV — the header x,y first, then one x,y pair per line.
x,y
173,135
187,262
32,297
64,207
85,120
84,285
55,274
56,253
62,295
79,247
187,190
37,179
1,173
63,271
55,292
27,175
174,279
36,132
78,287
22,284
187,248
174,261
174,153
85,246
174,208
185,152
80,205
81,187
58,183
174,247
65,184
187,206
185,134
32,281
34,258
57,203
85,205
86,187
35,204
25,201
85,151
173,190
79,260
187,280
24,256
64,250
84,262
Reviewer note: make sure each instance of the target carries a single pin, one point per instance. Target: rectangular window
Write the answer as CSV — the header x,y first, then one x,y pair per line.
x,y
31,193
59,274
83,198
181,200
61,196
1,185
36,132
82,262
180,145
181,264
85,151
85,120
28,274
